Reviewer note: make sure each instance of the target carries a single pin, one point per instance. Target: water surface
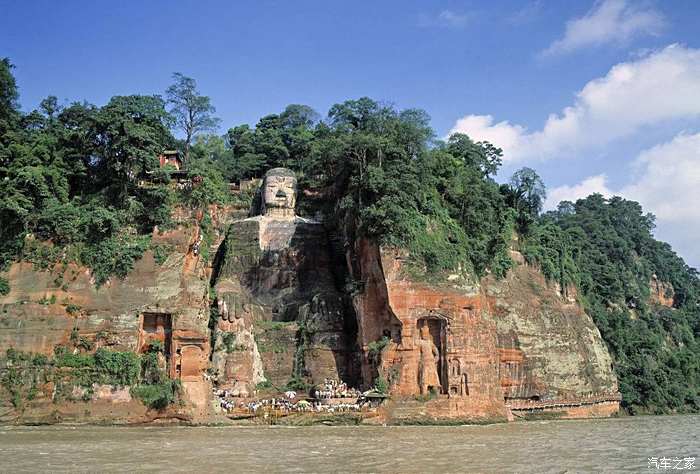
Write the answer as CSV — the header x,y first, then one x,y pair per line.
x,y
613,445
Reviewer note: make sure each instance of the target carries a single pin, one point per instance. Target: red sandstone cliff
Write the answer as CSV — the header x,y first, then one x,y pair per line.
x,y
44,309
549,348
660,292
498,341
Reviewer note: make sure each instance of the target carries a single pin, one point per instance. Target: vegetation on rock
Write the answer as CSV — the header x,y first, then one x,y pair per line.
x,y
69,369
70,180
605,248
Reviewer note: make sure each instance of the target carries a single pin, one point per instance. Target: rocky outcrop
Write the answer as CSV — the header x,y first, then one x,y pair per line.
x,y
661,293
497,341
540,358
396,309
167,301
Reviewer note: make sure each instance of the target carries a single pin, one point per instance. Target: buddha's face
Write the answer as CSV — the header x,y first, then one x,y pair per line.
x,y
279,192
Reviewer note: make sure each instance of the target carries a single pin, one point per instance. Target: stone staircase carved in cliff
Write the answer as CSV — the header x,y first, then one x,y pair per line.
x,y
337,244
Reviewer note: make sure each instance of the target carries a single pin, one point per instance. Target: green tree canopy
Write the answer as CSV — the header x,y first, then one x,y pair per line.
x,y
192,112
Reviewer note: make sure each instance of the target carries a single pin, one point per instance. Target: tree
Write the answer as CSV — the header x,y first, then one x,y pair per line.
x,y
243,160
298,116
526,194
192,112
481,155
529,190
8,91
131,133
49,106
297,122
268,141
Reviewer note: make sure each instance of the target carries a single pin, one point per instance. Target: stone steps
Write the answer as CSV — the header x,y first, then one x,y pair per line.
x,y
337,244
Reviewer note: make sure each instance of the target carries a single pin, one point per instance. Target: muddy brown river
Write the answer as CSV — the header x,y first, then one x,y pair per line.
x,y
614,445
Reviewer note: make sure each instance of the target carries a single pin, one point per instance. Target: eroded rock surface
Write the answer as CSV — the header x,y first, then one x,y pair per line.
x,y
539,357
498,342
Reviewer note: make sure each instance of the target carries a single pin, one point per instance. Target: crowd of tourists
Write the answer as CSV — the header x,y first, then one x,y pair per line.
x,y
288,406
335,389
321,400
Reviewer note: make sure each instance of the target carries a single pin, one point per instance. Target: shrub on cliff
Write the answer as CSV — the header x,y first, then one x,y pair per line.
x,y
210,186
375,349
4,287
157,396
104,366
117,368
381,385
155,389
298,384
64,358
114,256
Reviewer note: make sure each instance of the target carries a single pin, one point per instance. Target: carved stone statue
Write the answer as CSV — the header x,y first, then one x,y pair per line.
x,y
277,266
279,193
428,366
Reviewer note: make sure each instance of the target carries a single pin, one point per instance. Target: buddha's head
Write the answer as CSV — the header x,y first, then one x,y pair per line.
x,y
279,193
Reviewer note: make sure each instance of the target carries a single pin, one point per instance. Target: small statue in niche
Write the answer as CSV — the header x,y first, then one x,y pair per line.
x,y
428,377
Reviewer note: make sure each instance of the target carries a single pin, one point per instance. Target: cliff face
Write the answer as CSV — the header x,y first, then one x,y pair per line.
x,y
395,308
498,343
291,307
549,348
167,302
661,293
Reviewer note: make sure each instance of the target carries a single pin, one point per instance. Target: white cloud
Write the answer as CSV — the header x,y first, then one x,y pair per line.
x,y
505,135
446,18
666,183
609,21
594,184
669,182
662,86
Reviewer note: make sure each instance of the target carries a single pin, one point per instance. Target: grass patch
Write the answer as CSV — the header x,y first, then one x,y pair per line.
x,y
161,252
159,395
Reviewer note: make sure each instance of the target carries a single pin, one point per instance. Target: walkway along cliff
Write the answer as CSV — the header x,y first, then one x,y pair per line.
x,y
282,304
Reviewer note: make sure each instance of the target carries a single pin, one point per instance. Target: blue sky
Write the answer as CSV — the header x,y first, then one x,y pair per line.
x,y
596,95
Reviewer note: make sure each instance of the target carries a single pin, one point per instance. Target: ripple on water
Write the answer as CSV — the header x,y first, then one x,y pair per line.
x,y
613,445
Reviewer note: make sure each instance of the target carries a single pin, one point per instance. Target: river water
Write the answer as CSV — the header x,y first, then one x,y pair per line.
x,y
613,445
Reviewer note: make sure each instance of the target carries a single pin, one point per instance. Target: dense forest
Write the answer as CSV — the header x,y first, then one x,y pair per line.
x,y
71,189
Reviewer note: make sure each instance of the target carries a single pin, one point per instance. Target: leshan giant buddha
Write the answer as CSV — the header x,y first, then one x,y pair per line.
x,y
282,314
